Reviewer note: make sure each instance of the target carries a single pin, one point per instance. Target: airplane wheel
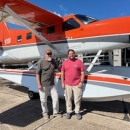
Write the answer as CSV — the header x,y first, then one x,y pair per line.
x,y
32,95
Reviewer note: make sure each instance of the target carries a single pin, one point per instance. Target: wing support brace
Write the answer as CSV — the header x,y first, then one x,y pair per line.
x,y
94,60
37,34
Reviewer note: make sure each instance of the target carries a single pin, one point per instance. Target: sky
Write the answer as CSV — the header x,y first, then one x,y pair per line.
x,y
100,9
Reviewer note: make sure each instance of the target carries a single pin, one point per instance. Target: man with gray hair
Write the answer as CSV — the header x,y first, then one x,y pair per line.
x,y
45,80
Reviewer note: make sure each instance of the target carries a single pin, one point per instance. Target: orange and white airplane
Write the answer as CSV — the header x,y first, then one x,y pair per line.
x,y
82,33
45,30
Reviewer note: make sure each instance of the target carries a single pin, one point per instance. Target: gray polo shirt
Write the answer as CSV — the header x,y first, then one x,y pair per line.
x,y
46,71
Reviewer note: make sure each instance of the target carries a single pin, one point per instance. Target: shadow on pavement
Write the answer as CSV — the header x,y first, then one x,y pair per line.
x,y
30,111
23,114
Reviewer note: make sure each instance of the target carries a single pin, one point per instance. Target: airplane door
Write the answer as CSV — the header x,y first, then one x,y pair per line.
x,y
73,40
71,29
90,37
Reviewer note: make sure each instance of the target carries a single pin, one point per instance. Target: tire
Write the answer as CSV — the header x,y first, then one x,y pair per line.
x,y
32,95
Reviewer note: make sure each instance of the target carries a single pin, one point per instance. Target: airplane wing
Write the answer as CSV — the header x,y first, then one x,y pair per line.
x,y
32,14
27,14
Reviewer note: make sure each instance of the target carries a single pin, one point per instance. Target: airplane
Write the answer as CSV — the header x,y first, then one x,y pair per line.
x,y
46,30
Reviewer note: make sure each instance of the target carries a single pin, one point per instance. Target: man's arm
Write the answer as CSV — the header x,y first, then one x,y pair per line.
x,y
39,82
62,79
81,79
82,76
38,75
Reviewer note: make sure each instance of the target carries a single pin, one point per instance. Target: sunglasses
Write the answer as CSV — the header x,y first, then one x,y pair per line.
x,y
49,53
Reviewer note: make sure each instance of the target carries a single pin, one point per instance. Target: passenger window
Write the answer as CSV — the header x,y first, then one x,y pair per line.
x,y
19,38
51,30
28,36
70,24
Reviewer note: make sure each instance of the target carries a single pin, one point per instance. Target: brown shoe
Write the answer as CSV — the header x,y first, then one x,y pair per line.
x,y
57,115
46,116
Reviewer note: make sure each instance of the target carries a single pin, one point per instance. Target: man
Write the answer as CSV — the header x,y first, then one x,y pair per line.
x,y
45,81
72,77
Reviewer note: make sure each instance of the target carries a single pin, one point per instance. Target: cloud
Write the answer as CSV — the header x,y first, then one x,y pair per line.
x,y
62,8
122,14
57,13
65,14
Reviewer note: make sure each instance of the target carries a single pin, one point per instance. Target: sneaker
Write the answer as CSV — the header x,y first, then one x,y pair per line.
x,y
46,116
57,115
68,115
79,117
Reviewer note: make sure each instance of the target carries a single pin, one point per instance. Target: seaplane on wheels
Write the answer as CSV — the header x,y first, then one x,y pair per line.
x,y
46,30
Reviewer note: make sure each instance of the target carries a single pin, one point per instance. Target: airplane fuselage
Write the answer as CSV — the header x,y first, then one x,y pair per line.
x,y
82,33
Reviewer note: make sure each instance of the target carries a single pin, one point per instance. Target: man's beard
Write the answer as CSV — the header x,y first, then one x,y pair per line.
x,y
72,58
49,58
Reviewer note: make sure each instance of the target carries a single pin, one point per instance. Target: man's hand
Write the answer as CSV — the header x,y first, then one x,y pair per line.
x,y
40,87
63,85
80,85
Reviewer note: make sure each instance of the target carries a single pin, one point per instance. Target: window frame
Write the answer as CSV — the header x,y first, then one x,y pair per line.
x,y
69,25
28,36
19,38
51,29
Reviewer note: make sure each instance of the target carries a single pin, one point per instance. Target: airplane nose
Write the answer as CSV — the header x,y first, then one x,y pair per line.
x,y
127,24
119,25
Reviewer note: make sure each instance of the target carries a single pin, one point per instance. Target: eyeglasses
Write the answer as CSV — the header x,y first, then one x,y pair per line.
x,y
49,53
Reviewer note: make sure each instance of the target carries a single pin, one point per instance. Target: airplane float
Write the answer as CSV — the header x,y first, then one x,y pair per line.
x,y
82,33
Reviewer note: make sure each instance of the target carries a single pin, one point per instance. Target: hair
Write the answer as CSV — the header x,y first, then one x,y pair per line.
x,y
71,50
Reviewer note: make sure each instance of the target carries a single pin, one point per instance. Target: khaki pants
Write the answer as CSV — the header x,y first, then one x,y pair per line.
x,y
70,92
43,98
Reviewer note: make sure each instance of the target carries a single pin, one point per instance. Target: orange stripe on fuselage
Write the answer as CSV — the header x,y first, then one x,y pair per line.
x,y
103,79
87,77
108,79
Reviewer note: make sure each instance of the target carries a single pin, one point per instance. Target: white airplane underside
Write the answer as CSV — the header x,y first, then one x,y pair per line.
x,y
98,86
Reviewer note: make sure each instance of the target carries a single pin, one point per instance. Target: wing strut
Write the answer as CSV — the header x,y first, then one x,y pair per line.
x,y
38,35
94,60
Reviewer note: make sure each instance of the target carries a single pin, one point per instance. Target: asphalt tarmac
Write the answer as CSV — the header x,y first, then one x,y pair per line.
x,y
18,112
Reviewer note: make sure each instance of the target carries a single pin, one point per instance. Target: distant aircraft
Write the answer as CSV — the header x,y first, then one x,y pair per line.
x,y
45,30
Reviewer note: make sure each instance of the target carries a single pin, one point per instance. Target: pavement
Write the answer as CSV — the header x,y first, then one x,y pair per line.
x,y
18,112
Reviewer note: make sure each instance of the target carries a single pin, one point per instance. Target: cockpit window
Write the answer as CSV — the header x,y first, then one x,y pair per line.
x,y
70,24
85,19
